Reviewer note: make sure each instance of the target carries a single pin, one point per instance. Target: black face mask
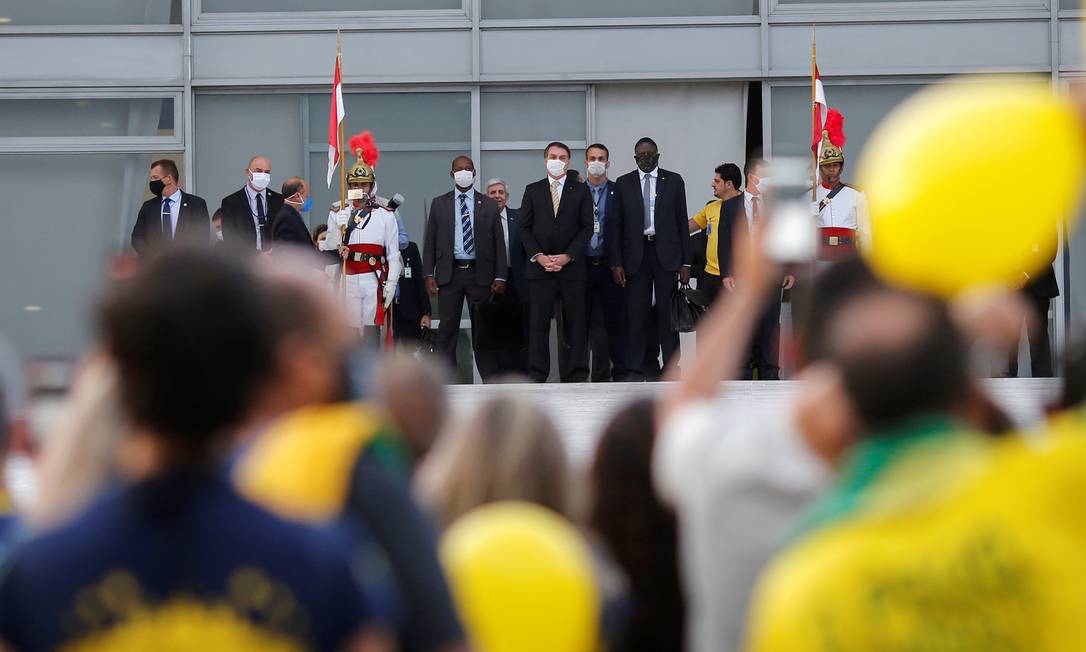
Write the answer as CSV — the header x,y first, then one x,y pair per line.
x,y
157,186
647,162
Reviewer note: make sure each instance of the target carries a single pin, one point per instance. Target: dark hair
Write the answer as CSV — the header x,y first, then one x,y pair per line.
x,y
190,338
730,172
599,146
925,373
217,215
832,288
751,164
557,144
318,230
639,531
645,140
292,186
169,168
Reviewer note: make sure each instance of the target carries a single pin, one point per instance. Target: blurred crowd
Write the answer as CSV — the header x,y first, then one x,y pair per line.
x,y
230,470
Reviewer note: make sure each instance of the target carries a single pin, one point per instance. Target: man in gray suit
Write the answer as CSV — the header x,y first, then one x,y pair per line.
x,y
464,256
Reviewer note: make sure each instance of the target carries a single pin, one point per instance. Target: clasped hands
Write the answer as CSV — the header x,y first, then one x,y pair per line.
x,y
552,263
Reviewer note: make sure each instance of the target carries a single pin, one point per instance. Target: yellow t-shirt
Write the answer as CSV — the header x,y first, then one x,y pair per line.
x,y
708,219
944,543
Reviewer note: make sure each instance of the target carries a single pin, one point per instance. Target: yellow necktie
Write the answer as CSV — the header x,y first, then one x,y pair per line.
x,y
554,197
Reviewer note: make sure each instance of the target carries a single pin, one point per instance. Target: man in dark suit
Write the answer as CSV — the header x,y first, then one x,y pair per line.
x,y
463,257
288,227
649,248
516,287
1039,288
247,213
555,227
171,215
605,302
411,309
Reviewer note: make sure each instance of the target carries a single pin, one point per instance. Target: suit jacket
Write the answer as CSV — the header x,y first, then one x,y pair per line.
x,y
516,253
413,302
1042,284
289,227
491,260
193,224
543,232
733,220
238,228
626,238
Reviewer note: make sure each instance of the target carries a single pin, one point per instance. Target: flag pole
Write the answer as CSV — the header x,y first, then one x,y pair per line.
x,y
814,118
342,167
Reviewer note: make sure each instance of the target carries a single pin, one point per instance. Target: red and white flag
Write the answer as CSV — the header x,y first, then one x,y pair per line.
x,y
336,118
820,111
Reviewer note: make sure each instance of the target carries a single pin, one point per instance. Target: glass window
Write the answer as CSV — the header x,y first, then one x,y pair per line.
x,y
533,116
99,12
257,6
62,117
616,8
862,105
519,168
231,129
46,301
423,118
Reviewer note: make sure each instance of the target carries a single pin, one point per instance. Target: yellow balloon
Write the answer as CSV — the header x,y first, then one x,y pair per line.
x,y
523,580
967,180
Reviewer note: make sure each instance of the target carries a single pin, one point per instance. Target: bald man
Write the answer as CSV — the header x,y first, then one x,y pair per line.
x,y
247,213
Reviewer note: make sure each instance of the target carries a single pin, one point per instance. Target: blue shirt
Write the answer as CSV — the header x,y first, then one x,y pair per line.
x,y
181,551
404,239
599,201
458,227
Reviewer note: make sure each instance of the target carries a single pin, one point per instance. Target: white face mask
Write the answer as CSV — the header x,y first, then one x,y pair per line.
x,y
597,168
260,180
763,185
463,178
555,167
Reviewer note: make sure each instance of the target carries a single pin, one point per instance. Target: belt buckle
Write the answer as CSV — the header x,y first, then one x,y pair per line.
x,y
357,256
834,241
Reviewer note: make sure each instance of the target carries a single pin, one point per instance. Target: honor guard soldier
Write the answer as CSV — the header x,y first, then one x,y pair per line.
x,y
368,244
841,209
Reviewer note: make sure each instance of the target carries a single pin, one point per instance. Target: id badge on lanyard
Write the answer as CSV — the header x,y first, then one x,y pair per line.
x,y
596,219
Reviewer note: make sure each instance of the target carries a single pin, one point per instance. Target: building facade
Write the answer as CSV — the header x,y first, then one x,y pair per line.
x,y
92,92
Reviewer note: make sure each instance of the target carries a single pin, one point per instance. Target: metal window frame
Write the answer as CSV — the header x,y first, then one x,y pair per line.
x,y
97,144
782,12
362,20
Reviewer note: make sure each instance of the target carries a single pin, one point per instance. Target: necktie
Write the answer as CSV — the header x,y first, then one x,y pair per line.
x,y
167,219
262,220
756,213
646,197
554,196
596,237
465,225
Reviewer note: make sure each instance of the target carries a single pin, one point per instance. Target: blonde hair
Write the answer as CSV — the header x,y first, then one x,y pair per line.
x,y
508,450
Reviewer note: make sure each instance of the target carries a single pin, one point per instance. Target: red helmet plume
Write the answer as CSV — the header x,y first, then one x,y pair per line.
x,y
835,127
365,148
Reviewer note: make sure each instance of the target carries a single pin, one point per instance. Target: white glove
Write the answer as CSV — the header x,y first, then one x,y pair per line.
x,y
390,293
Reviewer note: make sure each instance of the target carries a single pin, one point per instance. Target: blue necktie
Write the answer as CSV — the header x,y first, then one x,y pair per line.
x,y
465,224
167,219
597,237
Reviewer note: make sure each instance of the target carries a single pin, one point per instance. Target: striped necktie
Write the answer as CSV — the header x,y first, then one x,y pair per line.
x,y
554,196
465,225
167,219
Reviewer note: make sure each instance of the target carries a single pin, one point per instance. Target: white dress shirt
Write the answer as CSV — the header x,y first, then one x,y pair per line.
x,y
175,210
653,176
252,195
748,208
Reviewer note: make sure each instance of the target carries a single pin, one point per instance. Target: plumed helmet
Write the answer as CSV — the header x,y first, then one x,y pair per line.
x,y
367,154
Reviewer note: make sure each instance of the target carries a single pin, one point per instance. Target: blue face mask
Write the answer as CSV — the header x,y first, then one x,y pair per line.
x,y
307,204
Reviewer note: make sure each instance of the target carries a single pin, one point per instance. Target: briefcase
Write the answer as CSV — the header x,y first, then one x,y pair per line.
x,y
684,312
498,324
